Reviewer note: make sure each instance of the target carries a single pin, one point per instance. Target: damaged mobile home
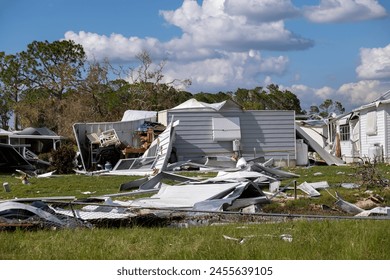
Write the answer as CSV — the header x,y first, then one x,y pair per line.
x,y
220,131
102,142
364,132
217,134
359,135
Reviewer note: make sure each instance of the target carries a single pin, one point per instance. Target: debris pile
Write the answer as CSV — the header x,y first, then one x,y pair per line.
x,y
239,188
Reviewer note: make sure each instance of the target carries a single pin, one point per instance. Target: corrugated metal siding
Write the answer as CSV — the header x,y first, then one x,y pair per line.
x,y
264,133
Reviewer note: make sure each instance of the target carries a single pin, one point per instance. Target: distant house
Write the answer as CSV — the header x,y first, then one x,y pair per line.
x,y
32,141
225,129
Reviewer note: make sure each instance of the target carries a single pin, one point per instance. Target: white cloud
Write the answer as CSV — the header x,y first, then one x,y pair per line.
x,y
221,45
262,10
375,63
362,92
324,93
216,24
344,11
116,47
351,95
227,72
207,29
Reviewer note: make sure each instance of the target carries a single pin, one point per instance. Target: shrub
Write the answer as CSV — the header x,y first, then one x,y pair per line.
x,y
63,159
370,174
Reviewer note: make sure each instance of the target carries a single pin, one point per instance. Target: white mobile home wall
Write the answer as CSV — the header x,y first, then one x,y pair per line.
x,y
382,135
267,133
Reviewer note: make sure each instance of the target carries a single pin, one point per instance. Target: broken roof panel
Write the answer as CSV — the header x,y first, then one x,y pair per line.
x,y
205,197
327,157
154,160
184,196
237,176
244,195
133,115
192,104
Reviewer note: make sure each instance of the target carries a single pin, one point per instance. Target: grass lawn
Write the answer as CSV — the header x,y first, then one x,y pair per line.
x,y
351,240
319,239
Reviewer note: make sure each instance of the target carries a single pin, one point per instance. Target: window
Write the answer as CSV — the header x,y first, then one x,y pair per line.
x,y
344,132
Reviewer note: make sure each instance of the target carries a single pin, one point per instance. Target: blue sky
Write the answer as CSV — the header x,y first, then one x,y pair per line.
x,y
337,49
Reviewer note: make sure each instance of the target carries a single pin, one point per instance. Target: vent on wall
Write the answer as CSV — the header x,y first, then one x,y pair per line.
x,y
226,129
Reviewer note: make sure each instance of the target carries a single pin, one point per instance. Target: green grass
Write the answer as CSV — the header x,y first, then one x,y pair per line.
x,y
319,239
64,185
354,240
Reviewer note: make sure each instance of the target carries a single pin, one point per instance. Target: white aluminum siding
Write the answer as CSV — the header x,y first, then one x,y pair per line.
x,y
266,133
368,141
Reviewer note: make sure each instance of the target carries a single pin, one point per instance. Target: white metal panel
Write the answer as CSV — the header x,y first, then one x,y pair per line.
x,y
368,141
386,147
226,129
263,133
371,123
184,195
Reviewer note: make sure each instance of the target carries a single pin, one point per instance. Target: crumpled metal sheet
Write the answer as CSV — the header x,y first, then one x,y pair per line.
x,y
383,211
185,196
347,206
242,196
205,197
16,210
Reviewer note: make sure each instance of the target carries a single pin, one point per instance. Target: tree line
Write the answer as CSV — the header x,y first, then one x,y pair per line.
x,y
51,84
